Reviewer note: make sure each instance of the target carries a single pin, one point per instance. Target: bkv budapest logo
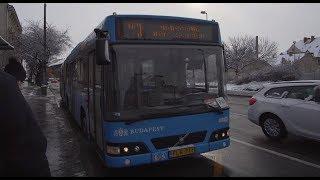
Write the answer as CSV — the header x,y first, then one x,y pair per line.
x,y
121,132
126,132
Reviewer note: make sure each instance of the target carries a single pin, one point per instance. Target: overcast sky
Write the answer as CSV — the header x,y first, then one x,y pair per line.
x,y
283,23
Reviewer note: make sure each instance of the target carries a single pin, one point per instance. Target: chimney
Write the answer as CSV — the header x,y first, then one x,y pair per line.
x,y
257,48
312,38
305,39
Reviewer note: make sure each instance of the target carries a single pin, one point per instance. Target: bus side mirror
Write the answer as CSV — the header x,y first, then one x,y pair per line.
x,y
317,94
102,47
102,51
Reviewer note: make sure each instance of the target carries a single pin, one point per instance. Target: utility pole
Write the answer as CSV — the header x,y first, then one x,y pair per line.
x,y
44,61
257,48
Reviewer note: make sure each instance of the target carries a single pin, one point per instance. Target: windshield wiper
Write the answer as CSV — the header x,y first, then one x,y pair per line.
x,y
205,70
220,111
142,116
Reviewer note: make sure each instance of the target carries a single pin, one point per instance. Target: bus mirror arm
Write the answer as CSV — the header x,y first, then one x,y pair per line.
x,y
224,59
317,94
102,48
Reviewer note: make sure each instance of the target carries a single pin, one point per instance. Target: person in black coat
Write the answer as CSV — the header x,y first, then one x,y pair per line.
x,y
23,145
15,69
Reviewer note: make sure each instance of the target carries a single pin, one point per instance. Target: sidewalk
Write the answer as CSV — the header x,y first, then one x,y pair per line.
x,y
63,145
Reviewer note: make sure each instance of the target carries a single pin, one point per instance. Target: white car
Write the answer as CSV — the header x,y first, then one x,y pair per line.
x,y
287,107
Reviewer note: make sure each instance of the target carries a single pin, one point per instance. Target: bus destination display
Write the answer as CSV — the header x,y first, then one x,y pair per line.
x,y
164,30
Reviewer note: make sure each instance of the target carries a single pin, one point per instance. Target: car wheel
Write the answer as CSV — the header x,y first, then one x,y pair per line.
x,y
273,127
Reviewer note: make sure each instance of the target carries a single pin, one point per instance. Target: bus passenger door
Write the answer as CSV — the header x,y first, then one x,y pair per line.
x,y
95,90
97,104
91,95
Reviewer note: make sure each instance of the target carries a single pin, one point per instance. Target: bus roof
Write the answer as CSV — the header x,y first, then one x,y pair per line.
x,y
161,17
109,24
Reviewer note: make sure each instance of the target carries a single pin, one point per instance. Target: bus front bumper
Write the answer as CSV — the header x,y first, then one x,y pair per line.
x,y
161,155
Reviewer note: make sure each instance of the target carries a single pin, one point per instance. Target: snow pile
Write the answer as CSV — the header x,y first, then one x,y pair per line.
x,y
252,86
56,62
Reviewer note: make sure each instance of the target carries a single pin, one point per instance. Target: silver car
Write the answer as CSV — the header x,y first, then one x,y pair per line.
x,y
287,107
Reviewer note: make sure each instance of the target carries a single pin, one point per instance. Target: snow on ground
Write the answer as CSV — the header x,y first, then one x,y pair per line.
x,y
54,84
252,86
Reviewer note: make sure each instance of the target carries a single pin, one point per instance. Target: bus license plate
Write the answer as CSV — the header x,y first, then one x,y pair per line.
x,y
181,152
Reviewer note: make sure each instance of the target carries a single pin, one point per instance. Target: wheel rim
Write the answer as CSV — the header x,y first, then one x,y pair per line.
x,y
272,127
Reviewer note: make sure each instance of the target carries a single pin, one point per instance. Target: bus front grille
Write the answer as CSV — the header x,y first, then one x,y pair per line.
x,y
169,141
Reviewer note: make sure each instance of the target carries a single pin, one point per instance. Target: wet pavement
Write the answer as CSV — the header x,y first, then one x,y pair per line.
x,y
63,147
250,152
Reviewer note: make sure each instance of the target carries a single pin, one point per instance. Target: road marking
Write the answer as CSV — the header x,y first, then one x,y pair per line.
x,y
278,154
238,114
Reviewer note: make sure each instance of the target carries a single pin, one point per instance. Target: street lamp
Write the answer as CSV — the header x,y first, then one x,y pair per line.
x,y
44,61
204,12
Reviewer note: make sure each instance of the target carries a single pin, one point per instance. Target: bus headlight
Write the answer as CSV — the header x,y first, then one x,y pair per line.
x,y
125,149
113,150
219,134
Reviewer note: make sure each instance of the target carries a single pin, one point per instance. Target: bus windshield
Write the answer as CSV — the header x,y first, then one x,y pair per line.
x,y
165,79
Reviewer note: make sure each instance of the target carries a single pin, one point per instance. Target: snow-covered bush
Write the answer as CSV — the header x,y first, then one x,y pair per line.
x,y
283,72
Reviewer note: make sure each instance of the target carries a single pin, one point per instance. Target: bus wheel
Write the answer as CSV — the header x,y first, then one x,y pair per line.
x,y
82,122
63,104
66,103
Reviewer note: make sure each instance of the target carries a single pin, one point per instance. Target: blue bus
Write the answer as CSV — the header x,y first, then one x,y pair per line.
x,y
146,89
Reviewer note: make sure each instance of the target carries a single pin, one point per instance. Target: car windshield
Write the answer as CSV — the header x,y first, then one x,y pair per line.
x,y
160,77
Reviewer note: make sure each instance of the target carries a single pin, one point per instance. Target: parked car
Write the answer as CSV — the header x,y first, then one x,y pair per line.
x,y
287,107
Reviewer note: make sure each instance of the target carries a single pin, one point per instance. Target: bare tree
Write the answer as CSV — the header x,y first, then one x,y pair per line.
x,y
31,47
240,52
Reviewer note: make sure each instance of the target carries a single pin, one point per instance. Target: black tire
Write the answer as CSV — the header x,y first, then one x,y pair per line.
x,y
63,104
67,103
82,124
273,127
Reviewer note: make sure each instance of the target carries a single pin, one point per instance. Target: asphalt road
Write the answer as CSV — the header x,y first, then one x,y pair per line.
x,y
252,154
249,154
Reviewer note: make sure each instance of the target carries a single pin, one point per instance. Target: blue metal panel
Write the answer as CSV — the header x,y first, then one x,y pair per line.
x,y
161,155
144,131
110,27
167,17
